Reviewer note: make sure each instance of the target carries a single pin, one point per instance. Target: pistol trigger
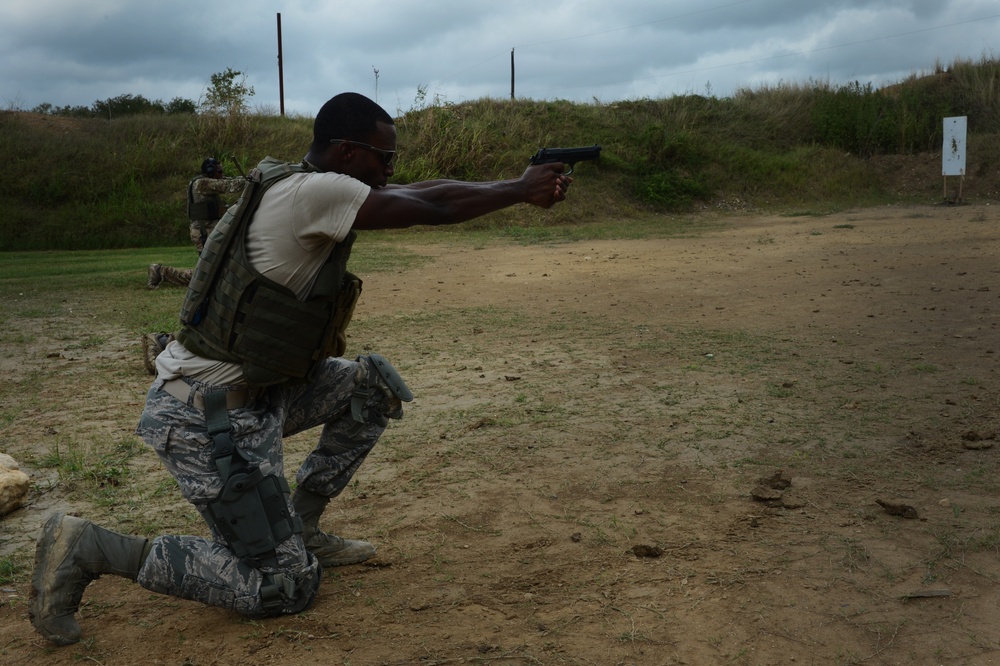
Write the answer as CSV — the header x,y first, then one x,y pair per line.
x,y
571,167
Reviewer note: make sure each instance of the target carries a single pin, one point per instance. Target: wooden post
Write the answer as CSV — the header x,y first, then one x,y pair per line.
x,y
958,194
281,73
512,73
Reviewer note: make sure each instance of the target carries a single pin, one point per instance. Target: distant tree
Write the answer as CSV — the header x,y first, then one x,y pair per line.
x,y
127,105
116,107
228,94
179,105
225,122
73,111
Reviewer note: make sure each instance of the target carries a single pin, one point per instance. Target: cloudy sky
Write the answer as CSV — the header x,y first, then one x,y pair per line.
x,y
74,52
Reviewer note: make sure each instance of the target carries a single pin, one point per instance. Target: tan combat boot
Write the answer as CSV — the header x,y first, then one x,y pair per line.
x,y
153,277
71,552
329,549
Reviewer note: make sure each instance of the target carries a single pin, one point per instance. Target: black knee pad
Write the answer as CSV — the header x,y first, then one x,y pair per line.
x,y
382,393
283,594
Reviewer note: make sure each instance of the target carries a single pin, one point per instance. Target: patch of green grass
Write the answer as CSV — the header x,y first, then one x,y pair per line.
x,y
99,469
804,213
10,569
110,285
19,338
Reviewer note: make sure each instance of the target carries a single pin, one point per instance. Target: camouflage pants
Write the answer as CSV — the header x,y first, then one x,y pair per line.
x,y
179,276
207,570
199,231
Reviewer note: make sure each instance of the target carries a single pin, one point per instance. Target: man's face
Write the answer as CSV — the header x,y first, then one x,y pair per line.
x,y
368,165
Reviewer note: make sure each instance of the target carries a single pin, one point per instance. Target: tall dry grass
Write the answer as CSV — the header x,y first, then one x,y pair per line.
x,y
77,183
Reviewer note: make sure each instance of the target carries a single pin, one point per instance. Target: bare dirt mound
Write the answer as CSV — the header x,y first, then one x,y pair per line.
x,y
770,444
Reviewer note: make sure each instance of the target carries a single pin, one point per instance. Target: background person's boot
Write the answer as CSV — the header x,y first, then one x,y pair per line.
x,y
153,277
329,549
71,552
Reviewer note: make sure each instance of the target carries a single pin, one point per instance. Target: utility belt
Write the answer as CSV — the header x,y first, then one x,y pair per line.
x,y
189,395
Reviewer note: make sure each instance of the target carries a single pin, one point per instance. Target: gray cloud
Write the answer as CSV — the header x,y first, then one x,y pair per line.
x,y
73,52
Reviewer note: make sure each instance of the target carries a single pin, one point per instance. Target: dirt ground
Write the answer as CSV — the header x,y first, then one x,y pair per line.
x,y
771,442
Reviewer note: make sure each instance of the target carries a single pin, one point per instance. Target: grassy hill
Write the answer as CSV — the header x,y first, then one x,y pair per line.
x,y
91,183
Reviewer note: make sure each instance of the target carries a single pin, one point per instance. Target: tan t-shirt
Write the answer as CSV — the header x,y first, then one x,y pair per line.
x,y
299,221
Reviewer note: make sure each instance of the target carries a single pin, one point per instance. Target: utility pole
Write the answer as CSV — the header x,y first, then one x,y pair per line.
x,y
281,73
512,73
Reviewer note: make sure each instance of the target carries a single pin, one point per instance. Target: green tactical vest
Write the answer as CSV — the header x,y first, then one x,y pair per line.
x,y
234,314
209,208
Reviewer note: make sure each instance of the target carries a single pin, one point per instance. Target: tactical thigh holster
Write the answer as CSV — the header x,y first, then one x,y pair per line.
x,y
252,514
252,510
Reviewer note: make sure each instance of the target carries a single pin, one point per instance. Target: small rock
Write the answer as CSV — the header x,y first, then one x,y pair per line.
x,y
14,486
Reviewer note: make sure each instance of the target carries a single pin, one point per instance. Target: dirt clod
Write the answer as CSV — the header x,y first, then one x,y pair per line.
x,y
898,509
643,550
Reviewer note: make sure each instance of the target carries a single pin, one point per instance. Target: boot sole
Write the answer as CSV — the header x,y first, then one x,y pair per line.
x,y
341,561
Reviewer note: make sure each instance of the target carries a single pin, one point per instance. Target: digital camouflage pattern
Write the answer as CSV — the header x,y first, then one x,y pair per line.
x,y
207,570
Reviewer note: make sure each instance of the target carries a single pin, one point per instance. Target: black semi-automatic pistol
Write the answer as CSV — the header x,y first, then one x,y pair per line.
x,y
568,156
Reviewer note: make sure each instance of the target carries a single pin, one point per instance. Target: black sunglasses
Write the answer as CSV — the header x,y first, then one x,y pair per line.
x,y
388,156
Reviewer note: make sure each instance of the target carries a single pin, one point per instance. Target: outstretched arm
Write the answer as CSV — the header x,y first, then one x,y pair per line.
x,y
219,185
451,201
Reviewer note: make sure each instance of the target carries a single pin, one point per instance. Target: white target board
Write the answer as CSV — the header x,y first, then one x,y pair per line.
x,y
953,150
